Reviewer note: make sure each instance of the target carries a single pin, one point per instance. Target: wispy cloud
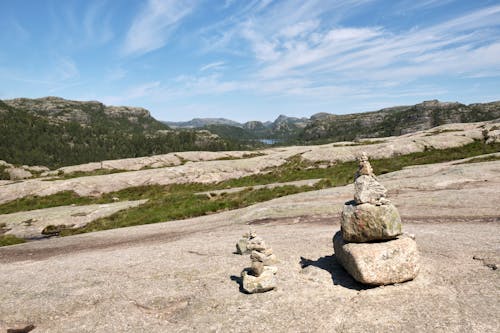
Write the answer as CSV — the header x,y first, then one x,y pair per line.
x,y
133,93
116,73
76,27
308,58
96,23
66,69
152,27
213,66
423,4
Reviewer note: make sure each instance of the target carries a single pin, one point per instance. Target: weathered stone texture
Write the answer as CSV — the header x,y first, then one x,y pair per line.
x,y
266,281
380,263
367,222
368,190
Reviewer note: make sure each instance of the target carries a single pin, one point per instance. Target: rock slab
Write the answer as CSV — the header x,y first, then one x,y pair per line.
x,y
382,263
367,222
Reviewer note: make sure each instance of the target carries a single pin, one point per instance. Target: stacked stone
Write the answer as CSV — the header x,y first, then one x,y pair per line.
x,y
261,275
241,245
370,245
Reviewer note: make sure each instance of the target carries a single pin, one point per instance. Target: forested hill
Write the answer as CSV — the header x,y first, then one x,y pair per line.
x,y
394,121
326,127
55,132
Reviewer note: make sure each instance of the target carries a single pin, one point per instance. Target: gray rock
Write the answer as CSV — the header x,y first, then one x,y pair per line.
x,y
270,260
267,260
5,164
368,190
257,268
381,263
18,173
367,222
257,244
36,168
259,284
241,246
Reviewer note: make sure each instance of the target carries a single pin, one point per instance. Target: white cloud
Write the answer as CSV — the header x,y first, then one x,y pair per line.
x,y
66,69
422,4
299,28
213,66
96,23
152,27
296,52
136,92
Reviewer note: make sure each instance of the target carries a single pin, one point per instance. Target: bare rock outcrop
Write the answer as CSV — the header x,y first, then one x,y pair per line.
x,y
18,173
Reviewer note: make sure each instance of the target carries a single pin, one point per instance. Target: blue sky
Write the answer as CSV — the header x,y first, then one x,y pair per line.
x,y
251,59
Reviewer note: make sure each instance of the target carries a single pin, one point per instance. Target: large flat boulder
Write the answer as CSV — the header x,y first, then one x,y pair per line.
x,y
367,222
379,263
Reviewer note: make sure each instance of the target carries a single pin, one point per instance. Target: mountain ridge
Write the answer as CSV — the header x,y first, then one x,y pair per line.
x,y
54,132
323,127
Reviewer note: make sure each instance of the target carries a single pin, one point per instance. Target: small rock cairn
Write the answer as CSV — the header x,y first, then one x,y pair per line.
x,y
260,277
370,245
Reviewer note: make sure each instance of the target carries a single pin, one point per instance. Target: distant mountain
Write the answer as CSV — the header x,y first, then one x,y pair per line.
x,y
394,121
54,132
326,127
201,122
282,127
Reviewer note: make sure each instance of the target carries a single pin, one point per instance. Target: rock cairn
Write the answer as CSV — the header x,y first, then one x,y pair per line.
x,y
260,277
370,245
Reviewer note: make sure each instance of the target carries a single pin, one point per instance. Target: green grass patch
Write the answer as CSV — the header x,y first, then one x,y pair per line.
x,y
168,205
78,174
178,201
6,240
363,142
36,202
434,156
482,159
439,131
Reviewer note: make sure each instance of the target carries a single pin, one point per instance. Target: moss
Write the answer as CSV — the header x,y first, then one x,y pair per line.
x,y
3,174
6,240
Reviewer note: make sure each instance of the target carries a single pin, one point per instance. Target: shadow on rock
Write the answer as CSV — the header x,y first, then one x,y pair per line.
x,y
239,281
25,329
339,274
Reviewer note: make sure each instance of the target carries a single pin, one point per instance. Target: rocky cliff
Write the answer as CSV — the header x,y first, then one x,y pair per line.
x,y
62,110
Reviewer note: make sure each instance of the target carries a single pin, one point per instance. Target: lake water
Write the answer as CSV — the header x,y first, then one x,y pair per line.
x,y
269,141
